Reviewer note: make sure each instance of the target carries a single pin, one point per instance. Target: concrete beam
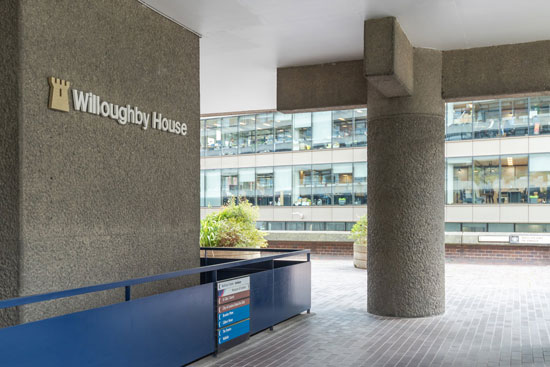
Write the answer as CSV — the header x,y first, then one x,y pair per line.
x,y
321,87
496,71
476,73
388,57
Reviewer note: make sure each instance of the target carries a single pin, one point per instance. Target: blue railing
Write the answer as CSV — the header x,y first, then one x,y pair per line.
x,y
127,284
171,328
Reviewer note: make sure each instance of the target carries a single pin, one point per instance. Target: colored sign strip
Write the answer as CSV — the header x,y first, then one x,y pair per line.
x,y
233,316
233,297
233,331
233,305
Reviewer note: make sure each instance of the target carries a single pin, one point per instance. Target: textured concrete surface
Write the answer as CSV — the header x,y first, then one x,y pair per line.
x,y
9,159
476,73
406,196
336,85
495,71
388,57
496,316
100,201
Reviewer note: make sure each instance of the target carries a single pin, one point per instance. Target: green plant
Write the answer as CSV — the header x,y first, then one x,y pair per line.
x,y
234,225
359,231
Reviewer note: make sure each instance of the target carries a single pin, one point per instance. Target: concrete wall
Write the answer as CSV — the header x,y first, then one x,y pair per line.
x,y
490,72
100,201
337,85
9,160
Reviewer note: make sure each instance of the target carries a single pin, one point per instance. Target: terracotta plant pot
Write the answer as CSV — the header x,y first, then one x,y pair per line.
x,y
359,256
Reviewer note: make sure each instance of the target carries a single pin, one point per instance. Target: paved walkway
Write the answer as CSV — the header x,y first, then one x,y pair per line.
x,y
497,315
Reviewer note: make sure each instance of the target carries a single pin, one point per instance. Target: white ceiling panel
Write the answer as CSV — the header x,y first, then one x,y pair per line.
x,y
244,41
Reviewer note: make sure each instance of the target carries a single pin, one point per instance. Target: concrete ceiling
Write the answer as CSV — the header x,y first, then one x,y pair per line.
x,y
244,41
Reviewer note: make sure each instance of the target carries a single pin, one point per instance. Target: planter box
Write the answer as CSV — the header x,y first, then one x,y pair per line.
x,y
359,256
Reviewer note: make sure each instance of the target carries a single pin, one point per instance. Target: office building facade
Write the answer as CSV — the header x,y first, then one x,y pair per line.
x,y
308,171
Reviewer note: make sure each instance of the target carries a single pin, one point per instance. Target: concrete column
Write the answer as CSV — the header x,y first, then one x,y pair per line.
x,y
406,256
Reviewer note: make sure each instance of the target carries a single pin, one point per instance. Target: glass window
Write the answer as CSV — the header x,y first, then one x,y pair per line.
x,y
264,132
360,127
514,178
230,184
458,121
230,142
262,226
539,115
202,189
301,185
474,227
276,226
247,134
302,131
452,227
539,178
349,225
342,129
532,228
203,138
486,180
459,181
247,184
514,120
295,226
212,187
322,127
343,183
315,226
283,132
283,185
264,185
336,226
213,137
501,227
322,184
486,119
360,183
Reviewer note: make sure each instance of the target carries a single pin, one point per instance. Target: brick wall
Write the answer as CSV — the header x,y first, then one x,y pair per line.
x,y
467,253
498,254
318,248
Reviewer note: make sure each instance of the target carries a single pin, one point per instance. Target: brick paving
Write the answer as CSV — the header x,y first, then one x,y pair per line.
x,y
497,315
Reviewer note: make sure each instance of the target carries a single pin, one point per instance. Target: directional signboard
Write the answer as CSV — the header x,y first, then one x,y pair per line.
x,y
233,319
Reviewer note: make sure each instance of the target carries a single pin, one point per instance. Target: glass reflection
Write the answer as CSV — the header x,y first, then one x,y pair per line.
x,y
514,178
486,180
459,181
264,133
322,184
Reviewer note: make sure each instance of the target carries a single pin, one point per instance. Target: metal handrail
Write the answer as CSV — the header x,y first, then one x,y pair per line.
x,y
20,301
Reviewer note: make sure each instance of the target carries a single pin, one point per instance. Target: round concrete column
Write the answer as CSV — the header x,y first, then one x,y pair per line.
x,y
406,182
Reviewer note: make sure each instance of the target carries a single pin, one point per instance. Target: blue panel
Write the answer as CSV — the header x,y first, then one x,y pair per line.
x,y
169,329
292,290
231,332
261,301
233,316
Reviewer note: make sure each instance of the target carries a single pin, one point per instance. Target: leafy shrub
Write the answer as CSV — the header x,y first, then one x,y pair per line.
x,y
359,231
232,226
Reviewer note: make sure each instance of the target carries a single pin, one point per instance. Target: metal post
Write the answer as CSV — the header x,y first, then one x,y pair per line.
x,y
272,290
215,281
127,293
308,260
